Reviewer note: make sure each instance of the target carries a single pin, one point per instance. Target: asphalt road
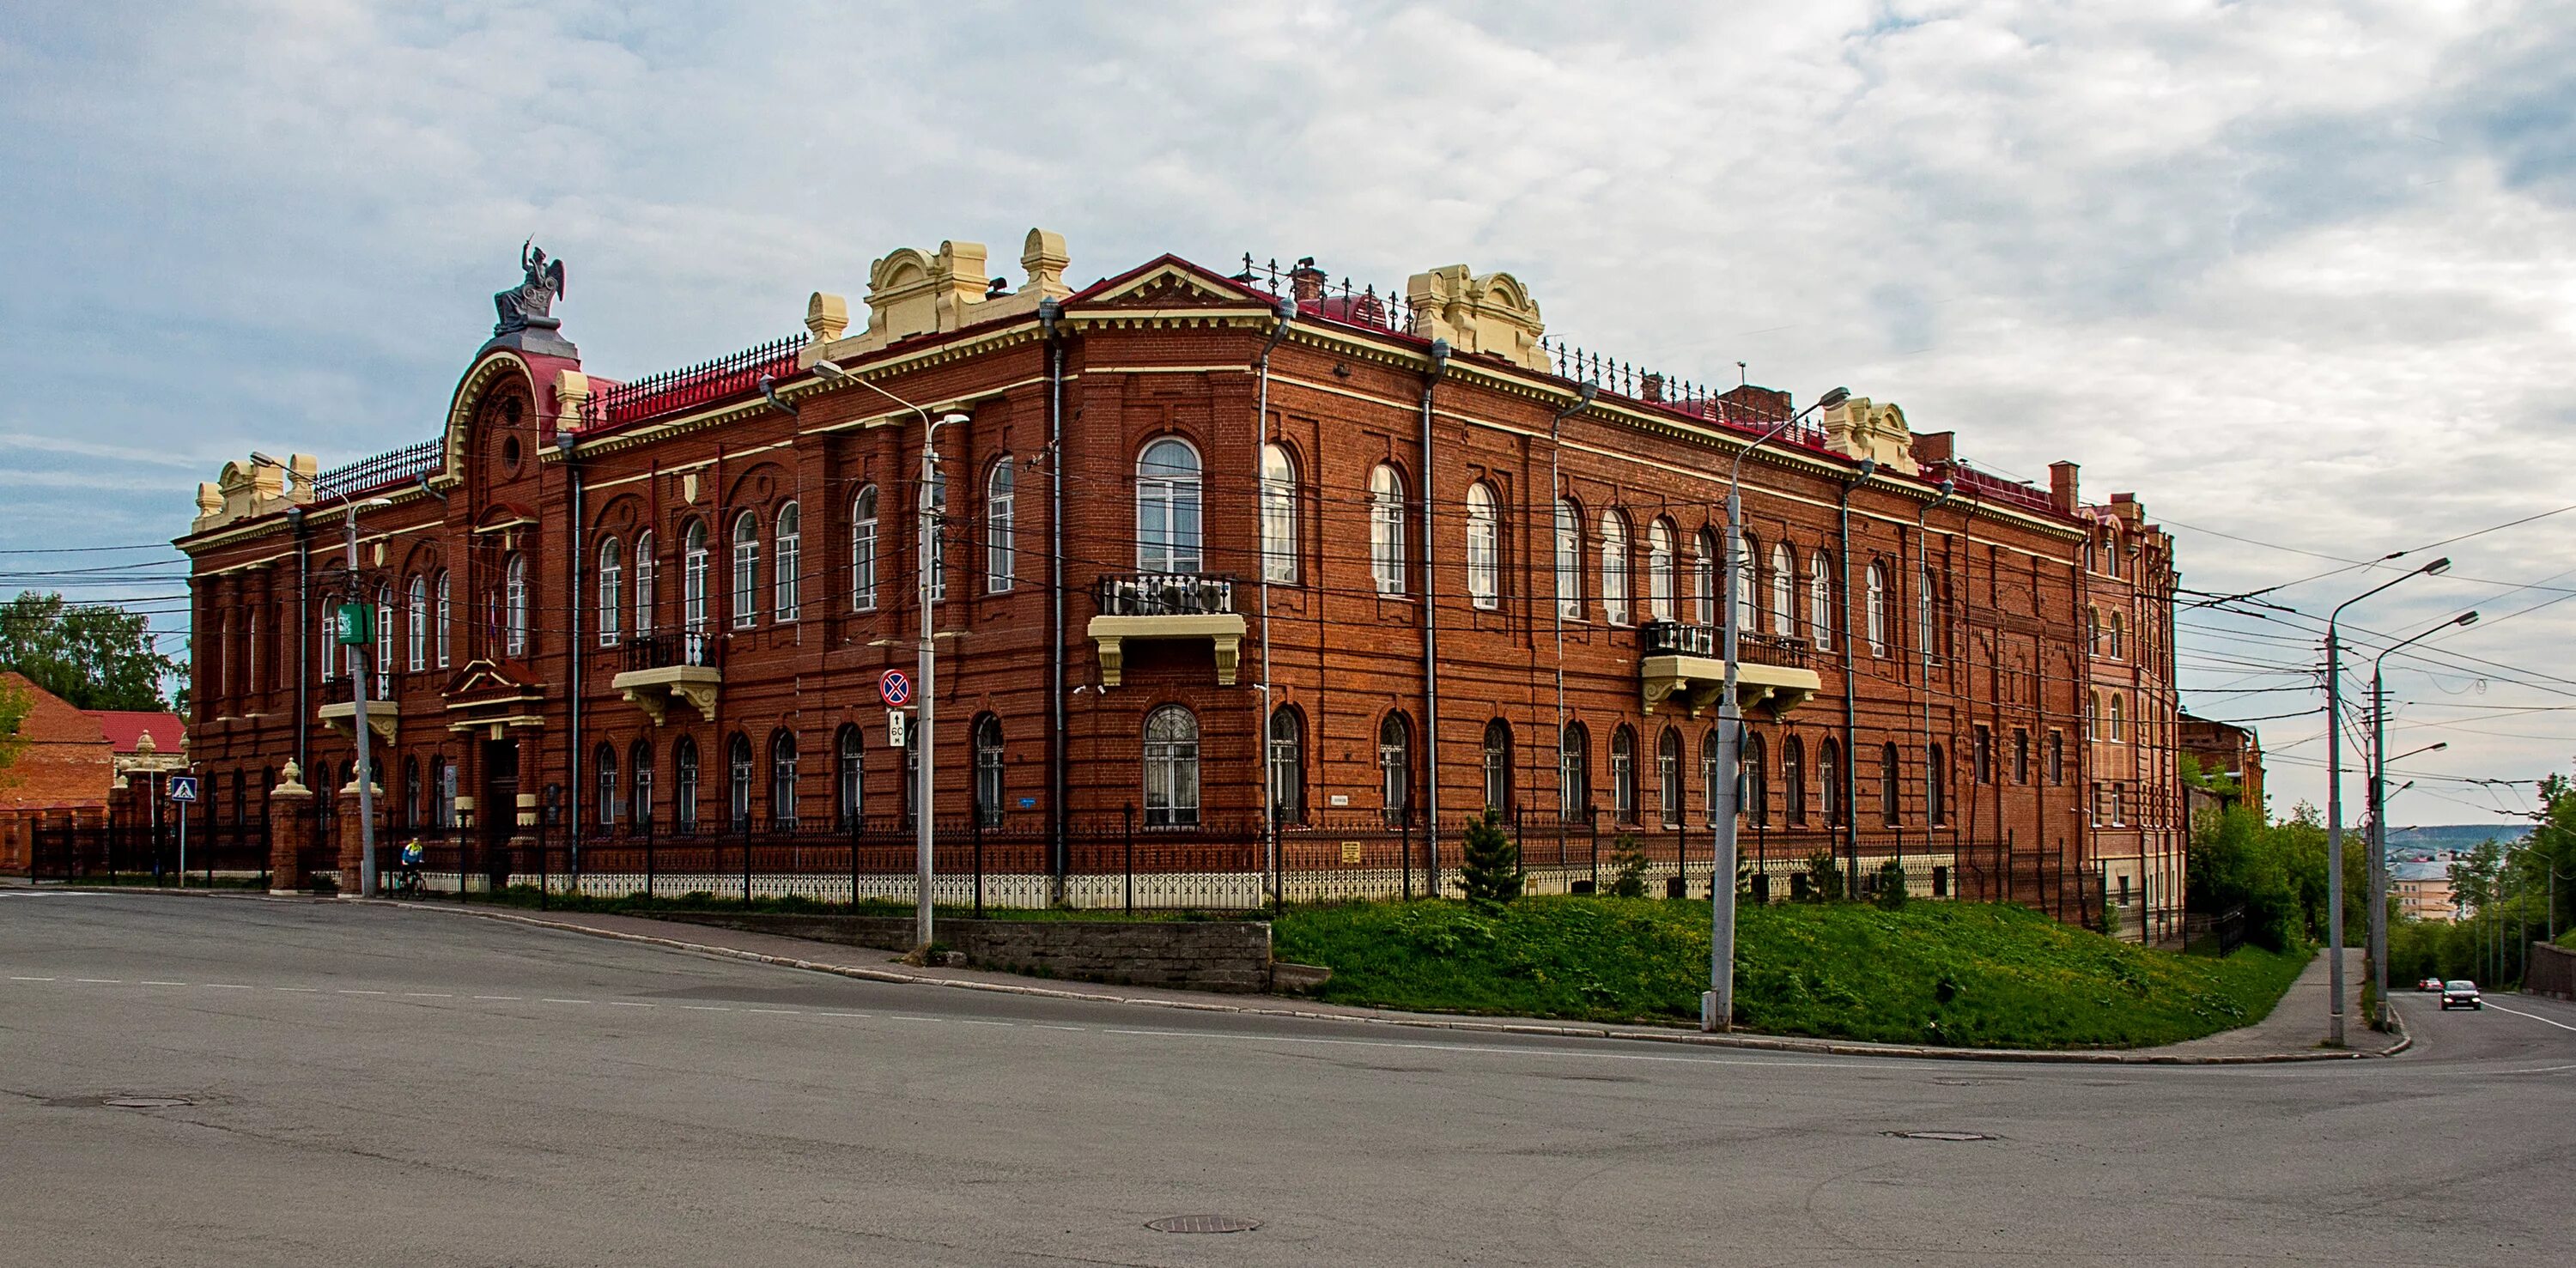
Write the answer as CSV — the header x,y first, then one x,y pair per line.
x,y
377,1086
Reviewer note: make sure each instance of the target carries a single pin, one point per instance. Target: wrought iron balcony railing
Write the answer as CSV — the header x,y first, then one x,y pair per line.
x,y
1165,594
664,650
1675,638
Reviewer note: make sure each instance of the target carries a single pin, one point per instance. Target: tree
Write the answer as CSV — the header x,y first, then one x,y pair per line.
x,y
1824,877
1630,858
13,712
93,655
1491,870
1890,889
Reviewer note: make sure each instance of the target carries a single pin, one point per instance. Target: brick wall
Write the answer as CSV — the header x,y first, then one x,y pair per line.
x,y
2552,971
1206,955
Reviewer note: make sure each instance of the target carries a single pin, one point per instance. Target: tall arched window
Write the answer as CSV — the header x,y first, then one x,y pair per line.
x,y
612,590
1829,780
1167,508
1820,600
1875,623
2093,631
1569,560
603,775
1927,633
1668,775
1784,590
439,805
1001,529
1573,773
746,570
639,787
738,781
644,573
1395,766
332,656
935,560
1484,547
2093,715
1278,515
863,550
693,590
2117,732
1171,767
1614,568
1623,775
416,627
782,779
384,646
1936,787
411,802
1793,779
1747,583
444,614
1704,550
790,578
1386,528
988,770
849,777
1659,570
1498,765
2119,637
1757,782
1890,793
1708,786
684,783
1288,764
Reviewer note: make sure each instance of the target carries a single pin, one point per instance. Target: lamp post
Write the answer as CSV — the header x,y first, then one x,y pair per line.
x,y
2334,796
2379,810
1717,1007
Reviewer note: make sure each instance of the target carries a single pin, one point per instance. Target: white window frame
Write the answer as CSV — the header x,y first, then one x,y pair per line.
x,y
1820,600
416,625
612,587
1614,569
644,570
1484,547
1784,589
1278,515
1659,571
1001,541
1170,512
746,570
1569,560
445,614
1386,528
1875,621
863,550
514,607
788,571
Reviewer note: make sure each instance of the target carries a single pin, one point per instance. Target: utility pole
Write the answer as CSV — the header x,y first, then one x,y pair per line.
x,y
360,721
927,665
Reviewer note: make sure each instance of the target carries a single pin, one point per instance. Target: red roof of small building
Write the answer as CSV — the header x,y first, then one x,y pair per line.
x,y
125,729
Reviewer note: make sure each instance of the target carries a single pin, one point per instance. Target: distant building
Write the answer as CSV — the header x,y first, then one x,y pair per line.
x,y
73,763
2231,750
2423,891
2139,820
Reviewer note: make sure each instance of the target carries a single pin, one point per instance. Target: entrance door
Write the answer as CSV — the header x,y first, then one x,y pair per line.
x,y
499,807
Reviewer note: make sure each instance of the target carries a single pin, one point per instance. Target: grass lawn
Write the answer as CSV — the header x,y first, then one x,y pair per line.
x,y
1965,974
703,901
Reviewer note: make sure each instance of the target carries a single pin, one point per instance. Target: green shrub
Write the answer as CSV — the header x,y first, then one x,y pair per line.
x,y
1824,877
1490,871
1890,893
1630,861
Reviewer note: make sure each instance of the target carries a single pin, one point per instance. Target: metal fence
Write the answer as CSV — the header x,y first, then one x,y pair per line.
x,y
118,852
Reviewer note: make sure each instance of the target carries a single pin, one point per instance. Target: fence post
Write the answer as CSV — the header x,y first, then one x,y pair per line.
x,y
545,879
1592,814
1131,858
1404,853
979,862
648,863
746,862
856,824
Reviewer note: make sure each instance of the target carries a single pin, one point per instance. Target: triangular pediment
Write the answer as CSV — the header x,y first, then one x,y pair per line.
x,y
486,680
1169,282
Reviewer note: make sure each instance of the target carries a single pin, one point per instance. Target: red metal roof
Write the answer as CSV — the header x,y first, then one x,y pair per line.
x,y
125,728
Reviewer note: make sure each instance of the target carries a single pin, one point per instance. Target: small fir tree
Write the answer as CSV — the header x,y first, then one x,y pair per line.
x,y
1824,877
1491,871
1891,885
1630,858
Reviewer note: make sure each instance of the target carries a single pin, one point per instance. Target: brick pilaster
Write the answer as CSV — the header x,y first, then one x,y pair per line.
x,y
290,829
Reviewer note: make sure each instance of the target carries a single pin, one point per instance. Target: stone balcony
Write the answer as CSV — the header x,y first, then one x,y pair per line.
x,y
663,669
1684,664
1166,605
339,709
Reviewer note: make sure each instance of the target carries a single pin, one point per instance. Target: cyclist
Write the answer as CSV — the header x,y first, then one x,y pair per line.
x,y
409,880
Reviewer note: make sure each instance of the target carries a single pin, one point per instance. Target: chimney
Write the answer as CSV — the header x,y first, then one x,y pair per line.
x,y
1306,282
1651,388
2061,487
1936,448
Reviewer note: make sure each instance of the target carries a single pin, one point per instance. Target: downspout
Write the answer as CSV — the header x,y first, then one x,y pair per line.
x,y
1430,639
572,651
1287,312
1050,320
303,634
1583,395
1851,669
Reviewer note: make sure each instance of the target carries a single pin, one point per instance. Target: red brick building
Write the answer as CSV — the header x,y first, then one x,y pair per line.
x,y
74,764
667,602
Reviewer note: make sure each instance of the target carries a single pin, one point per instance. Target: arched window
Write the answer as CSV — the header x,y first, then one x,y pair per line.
x,y
1001,522
738,782
2119,637
1926,613
644,570
604,776
639,787
1747,584
1395,766
411,792
1704,550
684,783
1167,510
1569,560
2057,757
1171,767
1278,515
789,582
1829,780
1484,547
1623,775
1659,570
1793,779
782,779
2093,631
1614,568
384,645
441,804
2117,733
443,617
2093,715
332,656
988,770
1889,792
1820,600
863,550
934,562
1668,775
693,591
746,571
1386,528
1936,788
1498,765
1876,623
1708,785
1288,764
1784,590
416,627
849,783
1573,773
1757,783
612,590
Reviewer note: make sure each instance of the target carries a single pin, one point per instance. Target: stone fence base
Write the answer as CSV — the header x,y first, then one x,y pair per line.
x,y
1203,955
2552,971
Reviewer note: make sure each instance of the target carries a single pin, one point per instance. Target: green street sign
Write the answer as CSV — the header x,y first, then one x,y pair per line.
x,y
355,625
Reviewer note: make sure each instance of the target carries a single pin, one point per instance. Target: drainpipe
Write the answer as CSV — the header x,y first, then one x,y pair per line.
x,y
1851,669
303,633
1583,395
1050,319
1430,638
572,650
1287,312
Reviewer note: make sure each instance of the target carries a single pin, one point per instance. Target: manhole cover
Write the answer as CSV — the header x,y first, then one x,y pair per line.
x,y
1203,1224
1939,1135
146,1102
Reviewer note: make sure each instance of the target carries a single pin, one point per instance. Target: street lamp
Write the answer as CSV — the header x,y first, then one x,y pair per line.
x,y
2334,795
1717,1007
2378,808
358,684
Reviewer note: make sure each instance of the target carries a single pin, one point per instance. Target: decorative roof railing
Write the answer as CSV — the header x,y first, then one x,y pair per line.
x,y
1981,484
397,466
693,387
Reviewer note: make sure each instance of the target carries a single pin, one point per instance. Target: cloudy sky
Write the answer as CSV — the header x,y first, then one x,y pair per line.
x,y
2302,275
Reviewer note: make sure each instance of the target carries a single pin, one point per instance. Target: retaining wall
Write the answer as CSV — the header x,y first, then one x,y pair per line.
x,y
2552,971
1205,955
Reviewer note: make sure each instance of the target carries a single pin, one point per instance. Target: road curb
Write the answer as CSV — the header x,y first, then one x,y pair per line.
x,y
1759,1043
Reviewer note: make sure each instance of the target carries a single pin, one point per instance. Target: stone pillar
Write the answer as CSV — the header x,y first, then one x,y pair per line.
x,y
290,829
352,841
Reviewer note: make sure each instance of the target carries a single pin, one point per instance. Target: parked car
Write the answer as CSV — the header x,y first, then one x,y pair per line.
x,y
2429,985
2461,993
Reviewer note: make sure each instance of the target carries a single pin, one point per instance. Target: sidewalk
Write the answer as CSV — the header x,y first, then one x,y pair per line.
x,y
2291,1033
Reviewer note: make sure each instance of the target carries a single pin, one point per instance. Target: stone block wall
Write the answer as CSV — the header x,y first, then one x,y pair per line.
x,y
2552,971
1203,955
